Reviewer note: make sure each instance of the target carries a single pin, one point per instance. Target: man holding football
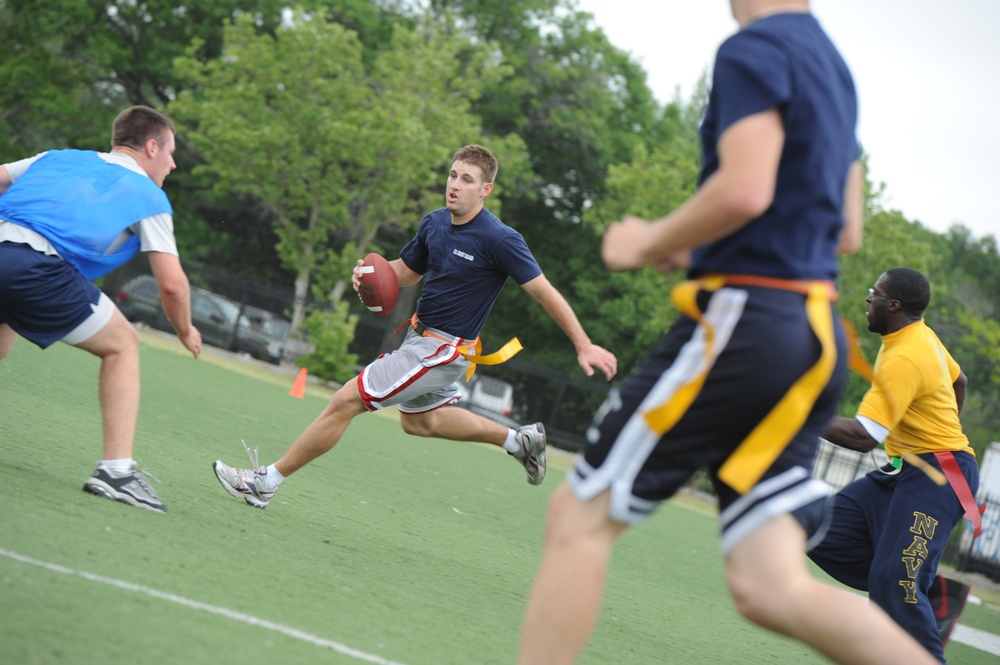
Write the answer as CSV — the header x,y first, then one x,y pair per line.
x,y
464,254
747,378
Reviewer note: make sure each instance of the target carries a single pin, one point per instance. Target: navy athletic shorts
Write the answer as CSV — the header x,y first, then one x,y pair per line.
x,y
762,343
42,297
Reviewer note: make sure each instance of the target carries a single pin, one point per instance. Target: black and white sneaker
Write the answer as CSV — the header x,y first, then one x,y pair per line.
x,y
129,487
532,439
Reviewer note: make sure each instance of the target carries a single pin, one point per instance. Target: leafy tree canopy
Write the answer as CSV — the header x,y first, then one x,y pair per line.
x,y
337,151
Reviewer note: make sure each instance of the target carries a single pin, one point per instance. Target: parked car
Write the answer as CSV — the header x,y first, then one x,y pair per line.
x,y
274,332
221,321
490,397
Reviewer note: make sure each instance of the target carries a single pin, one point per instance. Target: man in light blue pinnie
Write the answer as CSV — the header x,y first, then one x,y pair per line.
x,y
70,216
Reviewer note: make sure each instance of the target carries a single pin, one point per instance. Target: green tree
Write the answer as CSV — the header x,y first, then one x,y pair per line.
x,y
963,312
271,119
633,308
70,65
330,331
337,152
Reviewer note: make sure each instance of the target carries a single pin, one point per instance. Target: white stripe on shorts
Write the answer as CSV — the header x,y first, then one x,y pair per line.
x,y
775,496
94,323
635,442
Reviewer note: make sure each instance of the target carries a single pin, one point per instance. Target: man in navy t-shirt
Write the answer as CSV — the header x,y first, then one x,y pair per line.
x,y
747,378
464,254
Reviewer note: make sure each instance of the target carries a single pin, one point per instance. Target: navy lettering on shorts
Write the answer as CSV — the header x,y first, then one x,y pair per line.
x,y
914,518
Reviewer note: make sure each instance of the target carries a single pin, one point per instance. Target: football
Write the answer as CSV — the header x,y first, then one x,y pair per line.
x,y
379,287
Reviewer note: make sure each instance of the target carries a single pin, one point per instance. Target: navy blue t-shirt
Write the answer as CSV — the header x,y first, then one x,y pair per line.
x,y
464,267
785,62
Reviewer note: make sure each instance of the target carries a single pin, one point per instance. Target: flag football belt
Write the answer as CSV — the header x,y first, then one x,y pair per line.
x,y
950,474
469,349
960,486
755,454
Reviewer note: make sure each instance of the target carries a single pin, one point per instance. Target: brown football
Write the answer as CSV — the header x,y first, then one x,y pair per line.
x,y
379,287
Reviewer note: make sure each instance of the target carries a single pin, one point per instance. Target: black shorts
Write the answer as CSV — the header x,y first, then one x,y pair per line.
x,y
753,347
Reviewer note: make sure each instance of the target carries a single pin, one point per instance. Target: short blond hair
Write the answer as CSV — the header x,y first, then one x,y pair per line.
x,y
479,156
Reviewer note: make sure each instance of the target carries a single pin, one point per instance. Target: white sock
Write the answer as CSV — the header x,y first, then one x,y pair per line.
x,y
123,465
511,444
274,477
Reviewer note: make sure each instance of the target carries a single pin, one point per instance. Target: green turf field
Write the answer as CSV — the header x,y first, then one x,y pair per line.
x,y
390,549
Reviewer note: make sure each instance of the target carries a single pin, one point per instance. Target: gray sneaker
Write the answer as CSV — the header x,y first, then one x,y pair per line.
x,y
532,457
247,484
129,487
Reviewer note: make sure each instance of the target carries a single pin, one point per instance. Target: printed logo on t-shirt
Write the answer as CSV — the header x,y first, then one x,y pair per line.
x,y
467,257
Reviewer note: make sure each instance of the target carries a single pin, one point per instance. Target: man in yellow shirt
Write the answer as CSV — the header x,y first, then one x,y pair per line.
x,y
890,527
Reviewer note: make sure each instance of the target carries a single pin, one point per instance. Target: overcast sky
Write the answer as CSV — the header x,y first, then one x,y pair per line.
x,y
928,79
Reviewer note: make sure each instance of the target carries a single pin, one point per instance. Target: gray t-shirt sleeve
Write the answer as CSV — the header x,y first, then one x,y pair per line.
x,y
156,234
17,169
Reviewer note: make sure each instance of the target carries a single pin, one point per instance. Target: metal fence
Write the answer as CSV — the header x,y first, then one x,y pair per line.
x,y
840,466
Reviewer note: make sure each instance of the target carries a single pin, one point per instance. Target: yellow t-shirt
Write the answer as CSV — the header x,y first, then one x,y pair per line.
x,y
913,395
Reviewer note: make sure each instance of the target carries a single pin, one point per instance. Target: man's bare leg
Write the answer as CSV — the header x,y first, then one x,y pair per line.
x,y
772,587
7,339
565,601
454,424
324,432
117,345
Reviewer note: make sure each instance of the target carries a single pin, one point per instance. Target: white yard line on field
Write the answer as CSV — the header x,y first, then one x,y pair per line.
x,y
204,607
977,639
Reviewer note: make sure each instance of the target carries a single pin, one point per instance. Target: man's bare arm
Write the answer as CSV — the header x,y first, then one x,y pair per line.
x,y
589,355
175,294
5,180
849,433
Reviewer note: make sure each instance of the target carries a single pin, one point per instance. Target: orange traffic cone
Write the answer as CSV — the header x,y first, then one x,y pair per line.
x,y
299,387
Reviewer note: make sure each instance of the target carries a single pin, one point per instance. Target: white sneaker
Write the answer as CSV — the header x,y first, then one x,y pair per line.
x,y
247,484
532,457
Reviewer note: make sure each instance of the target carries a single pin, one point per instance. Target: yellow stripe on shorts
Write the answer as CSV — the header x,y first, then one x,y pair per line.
x,y
751,459
684,295
773,434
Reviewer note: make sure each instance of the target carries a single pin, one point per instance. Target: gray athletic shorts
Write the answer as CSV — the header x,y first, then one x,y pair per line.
x,y
421,375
